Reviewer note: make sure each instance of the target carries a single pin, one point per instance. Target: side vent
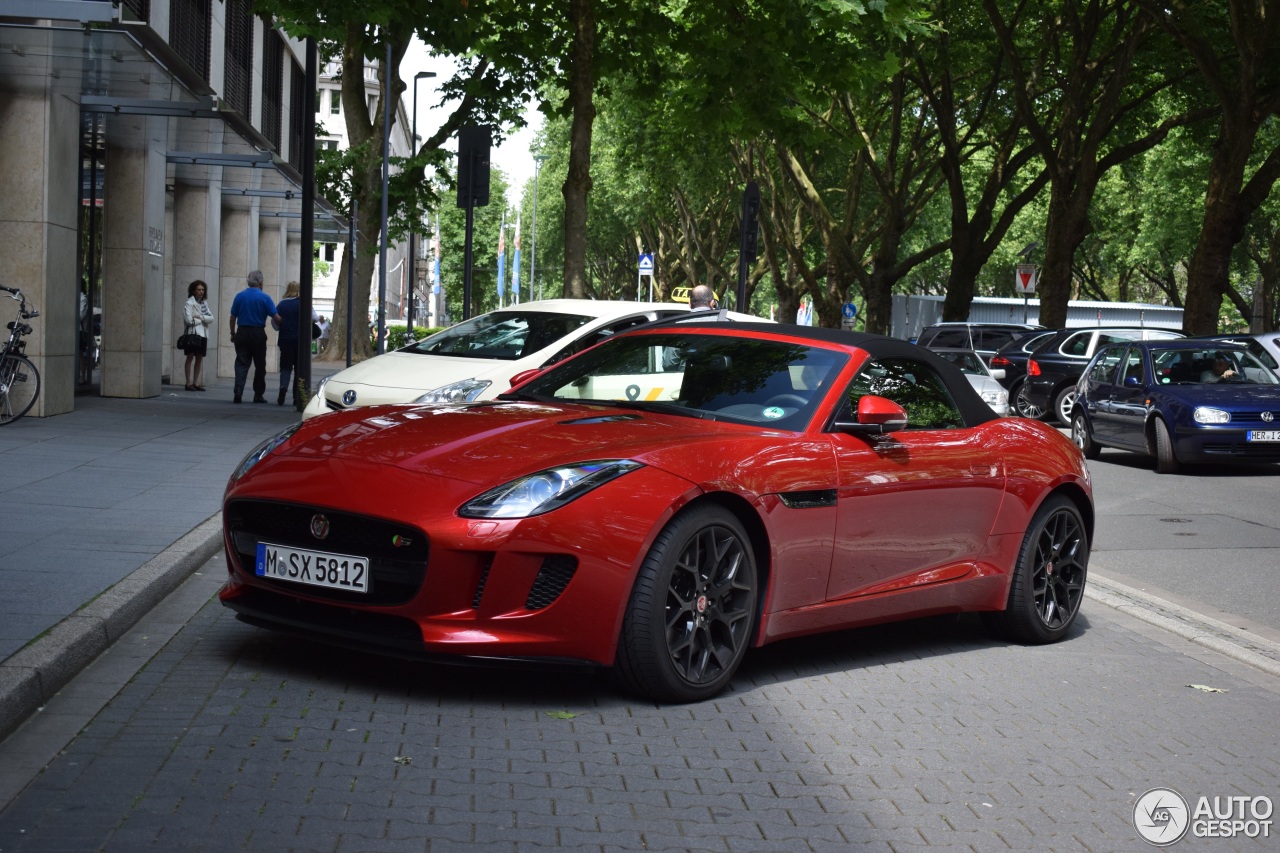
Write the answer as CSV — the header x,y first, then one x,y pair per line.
x,y
484,578
556,572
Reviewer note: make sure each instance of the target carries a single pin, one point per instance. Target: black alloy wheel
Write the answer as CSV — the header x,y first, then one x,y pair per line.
x,y
1048,581
692,611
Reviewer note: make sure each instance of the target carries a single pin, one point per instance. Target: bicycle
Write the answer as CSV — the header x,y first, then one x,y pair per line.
x,y
19,379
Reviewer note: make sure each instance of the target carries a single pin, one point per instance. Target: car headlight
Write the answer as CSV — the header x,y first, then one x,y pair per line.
x,y
544,491
319,392
263,450
455,392
1206,415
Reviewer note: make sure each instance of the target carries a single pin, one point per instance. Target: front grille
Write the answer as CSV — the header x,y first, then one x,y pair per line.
x,y
556,572
396,571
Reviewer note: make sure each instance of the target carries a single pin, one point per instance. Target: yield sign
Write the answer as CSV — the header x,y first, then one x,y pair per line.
x,y
1025,279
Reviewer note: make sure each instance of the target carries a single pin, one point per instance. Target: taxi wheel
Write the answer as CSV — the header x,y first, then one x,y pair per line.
x,y
692,611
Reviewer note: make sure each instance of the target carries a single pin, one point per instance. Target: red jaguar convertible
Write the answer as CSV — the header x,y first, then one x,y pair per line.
x,y
659,504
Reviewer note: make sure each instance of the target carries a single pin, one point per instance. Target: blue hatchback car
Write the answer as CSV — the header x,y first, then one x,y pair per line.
x,y
1179,401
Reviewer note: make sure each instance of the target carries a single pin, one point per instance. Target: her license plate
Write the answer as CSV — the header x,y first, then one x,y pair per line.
x,y
1263,435
316,568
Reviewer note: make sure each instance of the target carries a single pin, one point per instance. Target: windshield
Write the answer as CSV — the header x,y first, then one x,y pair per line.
x,y
1209,365
504,335
731,378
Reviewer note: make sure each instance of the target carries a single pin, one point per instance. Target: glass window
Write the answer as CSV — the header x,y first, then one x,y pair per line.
x,y
506,335
1104,368
912,385
335,101
1077,344
744,380
1134,374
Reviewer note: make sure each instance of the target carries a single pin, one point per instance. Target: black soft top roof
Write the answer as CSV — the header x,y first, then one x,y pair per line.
x,y
972,407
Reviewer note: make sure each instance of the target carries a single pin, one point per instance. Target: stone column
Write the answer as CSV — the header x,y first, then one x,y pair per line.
x,y
197,216
39,138
238,257
272,258
133,207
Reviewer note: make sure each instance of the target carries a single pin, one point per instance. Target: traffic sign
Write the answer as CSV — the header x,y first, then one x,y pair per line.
x,y
850,310
646,263
1024,279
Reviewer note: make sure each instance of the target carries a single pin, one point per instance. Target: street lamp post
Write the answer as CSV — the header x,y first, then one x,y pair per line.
x,y
533,249
413,256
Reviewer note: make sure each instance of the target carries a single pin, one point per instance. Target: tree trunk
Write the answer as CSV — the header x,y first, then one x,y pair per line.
x,y
577,183
1065,230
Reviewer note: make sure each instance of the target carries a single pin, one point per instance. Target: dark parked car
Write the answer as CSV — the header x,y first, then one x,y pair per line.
x,y
1012,359
1057,362
982,338
1179,401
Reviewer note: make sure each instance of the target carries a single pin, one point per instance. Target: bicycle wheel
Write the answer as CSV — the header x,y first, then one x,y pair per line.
x,y
19,387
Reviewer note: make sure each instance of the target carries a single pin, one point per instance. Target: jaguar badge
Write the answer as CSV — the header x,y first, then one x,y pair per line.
x,y
319,526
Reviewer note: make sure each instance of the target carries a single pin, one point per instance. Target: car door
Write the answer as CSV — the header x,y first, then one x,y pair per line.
x,y
1127,411
1098,385
915,506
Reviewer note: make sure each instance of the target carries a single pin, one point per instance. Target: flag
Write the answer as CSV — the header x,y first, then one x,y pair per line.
x,y
515,264
502,260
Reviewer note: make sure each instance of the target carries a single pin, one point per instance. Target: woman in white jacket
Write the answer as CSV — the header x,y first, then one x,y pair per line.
x,y
197,318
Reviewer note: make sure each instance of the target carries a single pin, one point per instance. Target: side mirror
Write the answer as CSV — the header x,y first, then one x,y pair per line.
x,y
524,376
1132,382
997,372
876,416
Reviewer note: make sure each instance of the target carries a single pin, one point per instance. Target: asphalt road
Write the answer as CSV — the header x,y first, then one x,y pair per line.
x,y
1208,539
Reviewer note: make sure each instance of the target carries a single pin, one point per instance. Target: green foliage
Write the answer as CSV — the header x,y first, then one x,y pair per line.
x,y
397,335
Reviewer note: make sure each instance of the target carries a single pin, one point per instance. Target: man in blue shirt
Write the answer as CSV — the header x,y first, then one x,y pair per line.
x,y
250,311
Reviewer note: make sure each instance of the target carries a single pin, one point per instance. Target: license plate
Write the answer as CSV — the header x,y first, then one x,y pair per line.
x,y
316,568
1263,435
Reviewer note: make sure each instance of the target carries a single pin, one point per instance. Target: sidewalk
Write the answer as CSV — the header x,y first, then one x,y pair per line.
x,y
105,511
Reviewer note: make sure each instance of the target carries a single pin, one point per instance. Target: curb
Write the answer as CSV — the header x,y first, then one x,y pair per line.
x,y
31,676
1202,630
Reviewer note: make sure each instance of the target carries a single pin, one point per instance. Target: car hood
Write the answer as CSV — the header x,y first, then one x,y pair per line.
x,y
1227,395
401,377
495,441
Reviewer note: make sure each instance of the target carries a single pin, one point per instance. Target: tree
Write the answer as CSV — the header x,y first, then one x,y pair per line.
x,y
1238,56
488,88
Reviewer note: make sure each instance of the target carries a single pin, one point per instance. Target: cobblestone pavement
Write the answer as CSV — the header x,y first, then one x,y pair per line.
x,y
925,734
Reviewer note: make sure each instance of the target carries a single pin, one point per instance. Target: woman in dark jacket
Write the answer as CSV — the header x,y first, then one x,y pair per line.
x,y
288,308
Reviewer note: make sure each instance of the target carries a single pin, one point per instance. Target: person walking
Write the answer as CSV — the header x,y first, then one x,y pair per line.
x,y
250,311
289,308
196,319
324,333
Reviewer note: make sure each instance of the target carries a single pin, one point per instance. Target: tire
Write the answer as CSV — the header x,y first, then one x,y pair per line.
x,y
19,387
692,611
1049,577
1063,403
1080,435
1166,459
1024,406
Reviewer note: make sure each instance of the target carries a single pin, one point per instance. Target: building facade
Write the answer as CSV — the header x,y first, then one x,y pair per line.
x,y
147,143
